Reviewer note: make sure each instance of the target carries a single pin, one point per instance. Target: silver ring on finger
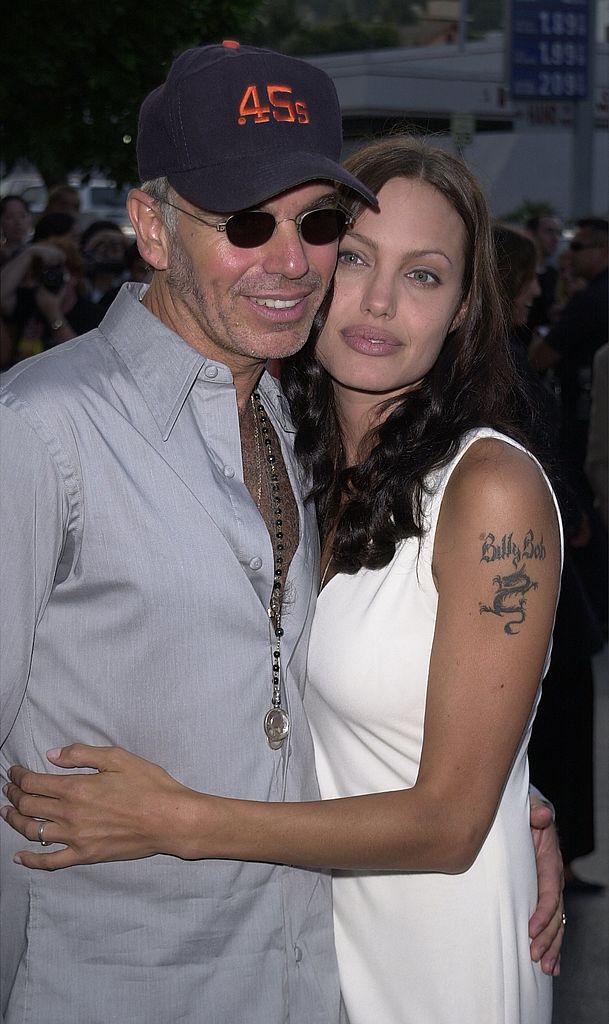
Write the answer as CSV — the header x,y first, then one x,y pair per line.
x,y
41,838
563,919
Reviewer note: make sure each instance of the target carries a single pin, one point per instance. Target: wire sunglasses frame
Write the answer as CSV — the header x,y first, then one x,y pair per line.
x,y
250,229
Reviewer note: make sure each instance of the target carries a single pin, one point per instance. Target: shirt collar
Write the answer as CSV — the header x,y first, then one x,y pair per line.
x,y
163,365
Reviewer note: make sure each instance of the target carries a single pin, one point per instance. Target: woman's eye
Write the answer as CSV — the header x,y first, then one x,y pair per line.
x,y
423,277
349,259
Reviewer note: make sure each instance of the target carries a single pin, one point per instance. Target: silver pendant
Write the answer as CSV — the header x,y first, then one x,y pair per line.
x,y
276,727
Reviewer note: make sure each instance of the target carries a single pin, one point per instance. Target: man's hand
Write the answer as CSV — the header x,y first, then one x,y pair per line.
x,y
546,927
129,809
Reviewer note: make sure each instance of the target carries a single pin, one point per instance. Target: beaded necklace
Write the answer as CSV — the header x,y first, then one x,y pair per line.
x,y
276,720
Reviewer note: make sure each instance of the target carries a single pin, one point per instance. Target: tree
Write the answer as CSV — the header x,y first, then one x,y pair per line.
x,y
74,76
485,16
329,26
387,11
341,37
530,208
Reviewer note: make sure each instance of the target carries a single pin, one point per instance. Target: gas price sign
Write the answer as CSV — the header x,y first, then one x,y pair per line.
x,y
549,49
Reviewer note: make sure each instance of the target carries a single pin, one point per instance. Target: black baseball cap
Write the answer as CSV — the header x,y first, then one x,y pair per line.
x,y
234,125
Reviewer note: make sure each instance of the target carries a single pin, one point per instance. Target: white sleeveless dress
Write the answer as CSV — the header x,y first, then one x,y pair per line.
x,y
415,948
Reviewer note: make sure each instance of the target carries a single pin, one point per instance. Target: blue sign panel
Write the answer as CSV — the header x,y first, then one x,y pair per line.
x,y
549,49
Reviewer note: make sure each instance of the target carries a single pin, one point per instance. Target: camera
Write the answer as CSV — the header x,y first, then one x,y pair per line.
x,y
53,278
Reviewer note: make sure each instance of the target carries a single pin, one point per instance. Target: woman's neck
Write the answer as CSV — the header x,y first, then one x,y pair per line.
x,y
358,413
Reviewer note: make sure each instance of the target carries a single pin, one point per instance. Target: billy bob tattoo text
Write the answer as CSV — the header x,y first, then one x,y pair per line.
x,y
509,599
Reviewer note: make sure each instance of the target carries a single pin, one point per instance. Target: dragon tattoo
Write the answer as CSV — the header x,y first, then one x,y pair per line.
x,y
509,598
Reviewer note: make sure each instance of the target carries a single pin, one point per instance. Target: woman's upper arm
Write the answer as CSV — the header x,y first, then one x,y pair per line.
x,y
496,564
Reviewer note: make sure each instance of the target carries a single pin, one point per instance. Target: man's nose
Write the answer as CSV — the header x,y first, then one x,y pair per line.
x,y
284,253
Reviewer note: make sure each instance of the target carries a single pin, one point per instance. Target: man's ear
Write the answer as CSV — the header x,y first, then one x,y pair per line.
x,y
150,232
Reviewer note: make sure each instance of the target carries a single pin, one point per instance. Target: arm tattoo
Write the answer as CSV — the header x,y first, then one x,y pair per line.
x,y
509,598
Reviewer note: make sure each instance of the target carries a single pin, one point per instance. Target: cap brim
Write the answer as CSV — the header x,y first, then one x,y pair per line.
x,y
227,188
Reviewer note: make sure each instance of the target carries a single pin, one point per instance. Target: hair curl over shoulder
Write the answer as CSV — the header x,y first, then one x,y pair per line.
x,y
473,383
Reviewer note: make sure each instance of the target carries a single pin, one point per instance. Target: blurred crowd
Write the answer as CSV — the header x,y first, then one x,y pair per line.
x,y
556,287
56,280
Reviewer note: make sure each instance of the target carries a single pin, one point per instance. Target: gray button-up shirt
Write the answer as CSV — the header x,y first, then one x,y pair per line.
x,y
136,575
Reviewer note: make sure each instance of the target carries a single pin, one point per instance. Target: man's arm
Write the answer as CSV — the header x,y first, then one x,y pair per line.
x,y
541,355
18,268
546,926
31,536
565,335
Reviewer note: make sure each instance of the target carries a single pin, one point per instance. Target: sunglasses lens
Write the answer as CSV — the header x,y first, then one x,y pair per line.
x,y
320,227
249,229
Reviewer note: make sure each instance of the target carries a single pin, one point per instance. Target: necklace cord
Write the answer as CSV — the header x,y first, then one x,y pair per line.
x,y
276,721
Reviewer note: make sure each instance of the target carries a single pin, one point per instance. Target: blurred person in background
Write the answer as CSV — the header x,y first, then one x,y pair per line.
x,y
580,330
546,232
63,199
54,225
597,453
103,246
31,291
6,343
568,283
43,293
81,313
568,349
137,268
15,226
561,745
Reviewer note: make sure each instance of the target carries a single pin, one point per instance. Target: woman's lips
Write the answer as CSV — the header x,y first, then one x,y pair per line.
x,y
370,341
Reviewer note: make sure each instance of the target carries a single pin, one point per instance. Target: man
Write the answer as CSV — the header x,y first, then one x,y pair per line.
x,y
597,454
137,574
570,345
103,246
546,232
569,348
146,554
581,330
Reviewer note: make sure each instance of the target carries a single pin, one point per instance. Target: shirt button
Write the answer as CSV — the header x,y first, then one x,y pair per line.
x,y
211,372
255,563
297,954
229,472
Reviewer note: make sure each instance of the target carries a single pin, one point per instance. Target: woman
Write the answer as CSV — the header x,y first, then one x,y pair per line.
x,y
441,563
15,226
397,332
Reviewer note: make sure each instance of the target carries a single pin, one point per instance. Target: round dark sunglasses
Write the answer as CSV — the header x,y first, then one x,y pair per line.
x,y
251,228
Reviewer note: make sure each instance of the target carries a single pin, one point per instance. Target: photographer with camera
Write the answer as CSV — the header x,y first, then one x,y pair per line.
x,y
32,290
43,296
103,246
